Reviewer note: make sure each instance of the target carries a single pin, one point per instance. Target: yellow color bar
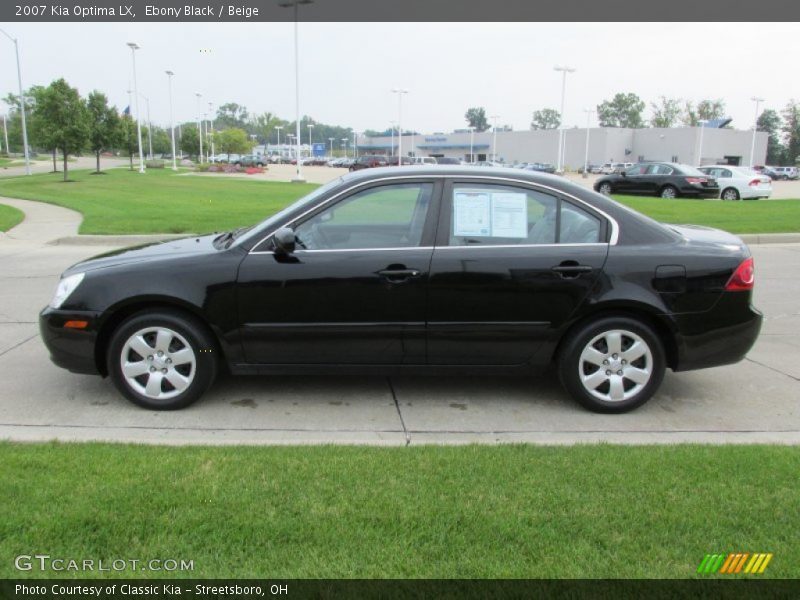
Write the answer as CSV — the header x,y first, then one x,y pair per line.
x,y
752,562
765,563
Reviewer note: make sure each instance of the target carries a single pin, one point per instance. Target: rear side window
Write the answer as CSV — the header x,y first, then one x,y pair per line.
x,y
504,215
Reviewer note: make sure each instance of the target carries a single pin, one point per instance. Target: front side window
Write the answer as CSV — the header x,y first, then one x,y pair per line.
x,y
388,216
503,215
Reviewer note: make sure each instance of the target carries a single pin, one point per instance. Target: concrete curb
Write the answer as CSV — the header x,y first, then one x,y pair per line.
x,y
116,240
770,238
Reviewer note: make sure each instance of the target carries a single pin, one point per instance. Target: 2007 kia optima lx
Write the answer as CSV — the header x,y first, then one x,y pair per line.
x,y
431,269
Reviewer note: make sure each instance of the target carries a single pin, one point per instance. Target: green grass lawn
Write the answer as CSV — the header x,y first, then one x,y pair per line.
x,y
747,216
124,201
429,511
9,217
10,162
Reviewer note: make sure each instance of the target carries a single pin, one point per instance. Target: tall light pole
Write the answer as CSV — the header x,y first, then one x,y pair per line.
x,y
294,4
471,144
310,132
278,129
331,142
344,143
25,148
171,124
134,47
563,71
588,112
391,129
702,123
355,145
149,129
494,141
199,125
758,101
211,125
400,92
5,131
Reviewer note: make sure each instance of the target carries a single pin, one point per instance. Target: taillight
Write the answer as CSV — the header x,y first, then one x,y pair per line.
x,y
696,180
742,278
755,183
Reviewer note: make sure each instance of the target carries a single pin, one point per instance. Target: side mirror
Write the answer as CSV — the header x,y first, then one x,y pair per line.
x,y
623,173
285,240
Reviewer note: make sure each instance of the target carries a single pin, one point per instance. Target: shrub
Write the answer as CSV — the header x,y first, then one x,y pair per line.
x,y
154,164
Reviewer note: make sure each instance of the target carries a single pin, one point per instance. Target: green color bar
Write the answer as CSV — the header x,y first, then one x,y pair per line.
x,y
703,564
720,561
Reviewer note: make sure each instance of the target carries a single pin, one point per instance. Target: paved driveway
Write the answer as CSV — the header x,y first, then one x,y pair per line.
x,y
757,400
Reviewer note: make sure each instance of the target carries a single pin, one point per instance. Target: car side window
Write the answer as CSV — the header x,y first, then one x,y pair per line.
x,y
494,215
387,216
635,170
725,173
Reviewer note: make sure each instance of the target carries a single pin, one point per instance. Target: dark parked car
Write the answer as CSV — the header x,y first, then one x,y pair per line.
x,y
447,160
541,167
455,269
667,180
368,162
251,160
392,161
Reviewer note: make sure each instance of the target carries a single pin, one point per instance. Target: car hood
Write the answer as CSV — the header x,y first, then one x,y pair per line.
x,y
157,251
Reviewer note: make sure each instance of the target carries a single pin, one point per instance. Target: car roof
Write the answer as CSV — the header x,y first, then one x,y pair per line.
x,y
456,170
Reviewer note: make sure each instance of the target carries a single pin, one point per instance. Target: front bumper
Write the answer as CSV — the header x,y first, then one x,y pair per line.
x,y
71,349
721,336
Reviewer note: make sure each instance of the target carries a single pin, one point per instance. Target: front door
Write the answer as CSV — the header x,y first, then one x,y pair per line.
x,y
353,292
511,264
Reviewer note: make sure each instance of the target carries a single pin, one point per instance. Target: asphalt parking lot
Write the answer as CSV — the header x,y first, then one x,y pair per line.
x,y
754,401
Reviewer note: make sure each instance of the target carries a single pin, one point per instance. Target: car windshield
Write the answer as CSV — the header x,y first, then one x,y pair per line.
x,y
264,225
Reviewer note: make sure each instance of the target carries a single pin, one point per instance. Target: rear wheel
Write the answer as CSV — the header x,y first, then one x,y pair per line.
x,y
612,365
604,188
730,194
669,192
162,360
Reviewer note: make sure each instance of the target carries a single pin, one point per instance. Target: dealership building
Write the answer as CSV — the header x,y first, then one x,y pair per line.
x,y
712,144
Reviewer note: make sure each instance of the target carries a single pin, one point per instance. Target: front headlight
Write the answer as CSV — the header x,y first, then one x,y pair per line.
x,y
65,287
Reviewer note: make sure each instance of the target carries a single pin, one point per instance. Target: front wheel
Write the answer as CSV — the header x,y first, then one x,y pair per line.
x,y
730,194
162,360
604,188
612,365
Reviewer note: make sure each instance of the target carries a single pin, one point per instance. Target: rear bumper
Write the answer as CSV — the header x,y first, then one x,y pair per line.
x,y
71,349
721,336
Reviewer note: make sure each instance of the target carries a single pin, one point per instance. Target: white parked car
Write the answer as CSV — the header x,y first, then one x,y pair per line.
x,y
786,172
739,183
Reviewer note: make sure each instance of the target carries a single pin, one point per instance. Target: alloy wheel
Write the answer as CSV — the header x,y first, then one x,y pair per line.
x,y
615,365
158,363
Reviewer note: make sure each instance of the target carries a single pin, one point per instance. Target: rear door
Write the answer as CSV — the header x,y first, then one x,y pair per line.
x,y
512,263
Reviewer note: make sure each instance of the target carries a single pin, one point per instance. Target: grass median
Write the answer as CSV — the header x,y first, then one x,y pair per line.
x,y
9,217
125,202
428,511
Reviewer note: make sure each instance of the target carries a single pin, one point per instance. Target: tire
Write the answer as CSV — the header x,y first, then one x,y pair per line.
x,y
604,188
593,383
730,194
669,192
187,358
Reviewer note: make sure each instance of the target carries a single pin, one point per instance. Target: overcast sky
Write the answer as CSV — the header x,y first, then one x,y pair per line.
x,y
348,69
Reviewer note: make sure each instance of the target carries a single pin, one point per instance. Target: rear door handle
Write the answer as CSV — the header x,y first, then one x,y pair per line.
x,y
398,274
569,269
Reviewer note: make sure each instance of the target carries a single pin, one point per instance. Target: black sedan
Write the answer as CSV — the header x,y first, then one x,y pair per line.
x,y
667,180
424,269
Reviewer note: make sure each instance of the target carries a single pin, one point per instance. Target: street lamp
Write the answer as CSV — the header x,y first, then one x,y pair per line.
x,y
588,112
564,71
22,109
134,47
702,123
310,131
391,129
294,4
355,145
331,142
199,125
471,144
149,129
211,134
171,123
344,143
400,92
278,129
494,141
758,101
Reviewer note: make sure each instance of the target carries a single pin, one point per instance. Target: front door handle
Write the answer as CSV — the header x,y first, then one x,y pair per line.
x,y
398,275
570,268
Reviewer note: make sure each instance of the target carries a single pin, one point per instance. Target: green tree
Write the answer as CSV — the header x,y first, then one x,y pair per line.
x,y
190,140
103,124
769,121
38,132
666,112
791,129
623,110
232,141
231,115
65,118
263,127
547,118
126,136
706,110
476,117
